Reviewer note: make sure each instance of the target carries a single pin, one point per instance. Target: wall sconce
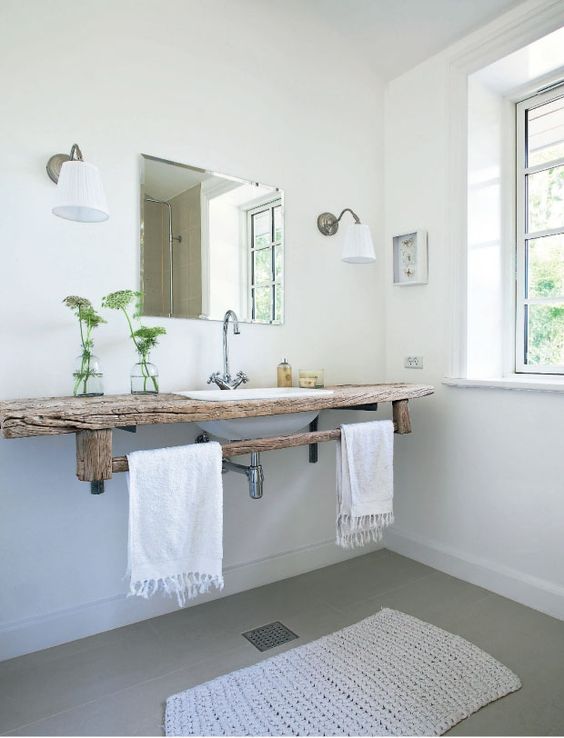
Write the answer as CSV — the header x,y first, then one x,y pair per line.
x,y
357,243
80,193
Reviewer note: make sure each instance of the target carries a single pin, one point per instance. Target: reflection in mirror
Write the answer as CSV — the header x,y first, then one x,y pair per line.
x,y
210,243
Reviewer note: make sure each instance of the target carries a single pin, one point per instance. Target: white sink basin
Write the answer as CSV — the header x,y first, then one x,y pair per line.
x,y
238,429
261,393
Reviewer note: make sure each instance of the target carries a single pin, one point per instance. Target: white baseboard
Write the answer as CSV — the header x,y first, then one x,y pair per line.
x,y
540,594
36,633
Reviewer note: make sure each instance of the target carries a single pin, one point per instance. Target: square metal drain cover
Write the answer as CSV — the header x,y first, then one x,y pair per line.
x,y
269,636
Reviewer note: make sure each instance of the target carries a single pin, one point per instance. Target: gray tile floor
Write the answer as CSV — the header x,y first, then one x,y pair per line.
x,y
116,683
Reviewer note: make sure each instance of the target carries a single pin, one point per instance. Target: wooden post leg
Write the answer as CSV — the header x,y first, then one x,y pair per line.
x,y
401,416
94,457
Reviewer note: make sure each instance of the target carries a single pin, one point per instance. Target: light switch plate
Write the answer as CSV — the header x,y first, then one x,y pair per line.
x,y
413,362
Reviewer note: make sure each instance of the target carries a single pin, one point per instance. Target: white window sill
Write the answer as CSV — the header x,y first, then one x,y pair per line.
x,y
530,382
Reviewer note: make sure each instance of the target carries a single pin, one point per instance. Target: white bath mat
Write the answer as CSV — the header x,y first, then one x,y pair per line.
x,y
390,674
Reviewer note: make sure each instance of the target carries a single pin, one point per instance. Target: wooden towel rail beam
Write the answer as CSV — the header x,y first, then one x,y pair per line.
x,y
238,448
402,425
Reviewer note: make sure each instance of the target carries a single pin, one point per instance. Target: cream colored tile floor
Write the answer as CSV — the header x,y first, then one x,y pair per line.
x,y
116,683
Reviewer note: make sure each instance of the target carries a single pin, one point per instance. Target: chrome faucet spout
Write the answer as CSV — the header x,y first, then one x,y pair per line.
x,y
225,381
229,315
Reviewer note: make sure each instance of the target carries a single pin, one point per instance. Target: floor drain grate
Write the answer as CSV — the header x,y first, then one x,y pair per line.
x,y
269,636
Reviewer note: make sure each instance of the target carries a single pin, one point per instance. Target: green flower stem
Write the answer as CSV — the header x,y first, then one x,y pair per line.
x,y
85,360
143,357
131,331
144,360
85,371
88,319
144,338
86,356
144,370
80,326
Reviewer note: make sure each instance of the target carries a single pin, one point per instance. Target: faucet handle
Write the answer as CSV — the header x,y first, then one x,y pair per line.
x,y
243,377
213,378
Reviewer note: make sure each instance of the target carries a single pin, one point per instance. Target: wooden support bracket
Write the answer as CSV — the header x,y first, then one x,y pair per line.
x,y
402,421
94,457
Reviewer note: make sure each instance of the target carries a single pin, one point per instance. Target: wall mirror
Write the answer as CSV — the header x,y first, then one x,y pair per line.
x,y
210,243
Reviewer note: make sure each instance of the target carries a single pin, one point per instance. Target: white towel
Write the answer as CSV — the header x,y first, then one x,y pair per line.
x,y
175,521
365,485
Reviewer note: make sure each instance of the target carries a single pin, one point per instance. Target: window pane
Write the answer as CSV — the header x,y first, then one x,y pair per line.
x,y
263,266
278,223
546,199
545,133
262,229
278,261
545,267
279,309
262,297
545,334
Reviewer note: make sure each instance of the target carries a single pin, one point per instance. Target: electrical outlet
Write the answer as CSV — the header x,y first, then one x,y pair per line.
x,y
413,362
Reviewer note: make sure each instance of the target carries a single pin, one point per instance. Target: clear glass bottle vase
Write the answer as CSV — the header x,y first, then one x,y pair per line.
x,y
144,377
88,377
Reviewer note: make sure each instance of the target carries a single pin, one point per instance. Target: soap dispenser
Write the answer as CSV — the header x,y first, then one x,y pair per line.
x,y
284,374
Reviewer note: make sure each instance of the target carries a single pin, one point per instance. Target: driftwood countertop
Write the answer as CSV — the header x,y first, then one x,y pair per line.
x,y
57,415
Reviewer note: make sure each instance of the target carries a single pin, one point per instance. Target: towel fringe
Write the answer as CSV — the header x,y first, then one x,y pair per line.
x,y
354,532
185,586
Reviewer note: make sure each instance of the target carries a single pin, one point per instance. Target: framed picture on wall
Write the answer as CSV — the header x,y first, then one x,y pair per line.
x,y
410,258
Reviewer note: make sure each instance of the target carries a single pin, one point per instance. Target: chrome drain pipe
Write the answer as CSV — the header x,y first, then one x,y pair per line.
x,y
254,473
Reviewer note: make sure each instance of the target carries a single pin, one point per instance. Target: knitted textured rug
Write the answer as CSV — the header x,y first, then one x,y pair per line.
x,y
390,674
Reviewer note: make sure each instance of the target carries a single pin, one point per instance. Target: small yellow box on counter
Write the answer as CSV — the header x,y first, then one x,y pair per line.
x,y
311,378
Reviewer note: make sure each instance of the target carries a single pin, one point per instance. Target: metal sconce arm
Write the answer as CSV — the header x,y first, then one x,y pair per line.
x,y
57,160
328,223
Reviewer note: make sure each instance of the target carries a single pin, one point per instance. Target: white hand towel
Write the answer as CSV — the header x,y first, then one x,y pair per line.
x,y
365,486
175,521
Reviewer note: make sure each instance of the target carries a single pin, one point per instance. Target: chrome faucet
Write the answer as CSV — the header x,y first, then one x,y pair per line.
x,y
225,381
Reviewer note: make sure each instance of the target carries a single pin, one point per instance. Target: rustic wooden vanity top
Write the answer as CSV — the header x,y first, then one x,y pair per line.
x,y
56,415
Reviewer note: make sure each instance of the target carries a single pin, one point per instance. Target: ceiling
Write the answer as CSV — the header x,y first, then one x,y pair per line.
x,y
394,35
164,179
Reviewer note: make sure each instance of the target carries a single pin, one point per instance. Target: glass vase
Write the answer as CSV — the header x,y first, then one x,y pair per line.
x,y
144,377
88,376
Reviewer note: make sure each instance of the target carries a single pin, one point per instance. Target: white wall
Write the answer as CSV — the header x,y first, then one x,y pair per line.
x,y
486,132
480,483
193,82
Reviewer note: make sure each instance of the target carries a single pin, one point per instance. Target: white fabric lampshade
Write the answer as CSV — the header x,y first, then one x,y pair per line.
x,y
80,193
357,244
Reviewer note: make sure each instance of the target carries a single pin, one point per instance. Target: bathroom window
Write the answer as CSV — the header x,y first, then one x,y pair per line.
x,y
540,233
266,256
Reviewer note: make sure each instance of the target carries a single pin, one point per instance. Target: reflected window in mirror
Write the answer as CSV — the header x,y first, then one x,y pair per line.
x,y
265,243
210,243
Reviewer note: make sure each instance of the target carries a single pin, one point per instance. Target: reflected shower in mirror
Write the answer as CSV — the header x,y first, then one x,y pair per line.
x,y
210,243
